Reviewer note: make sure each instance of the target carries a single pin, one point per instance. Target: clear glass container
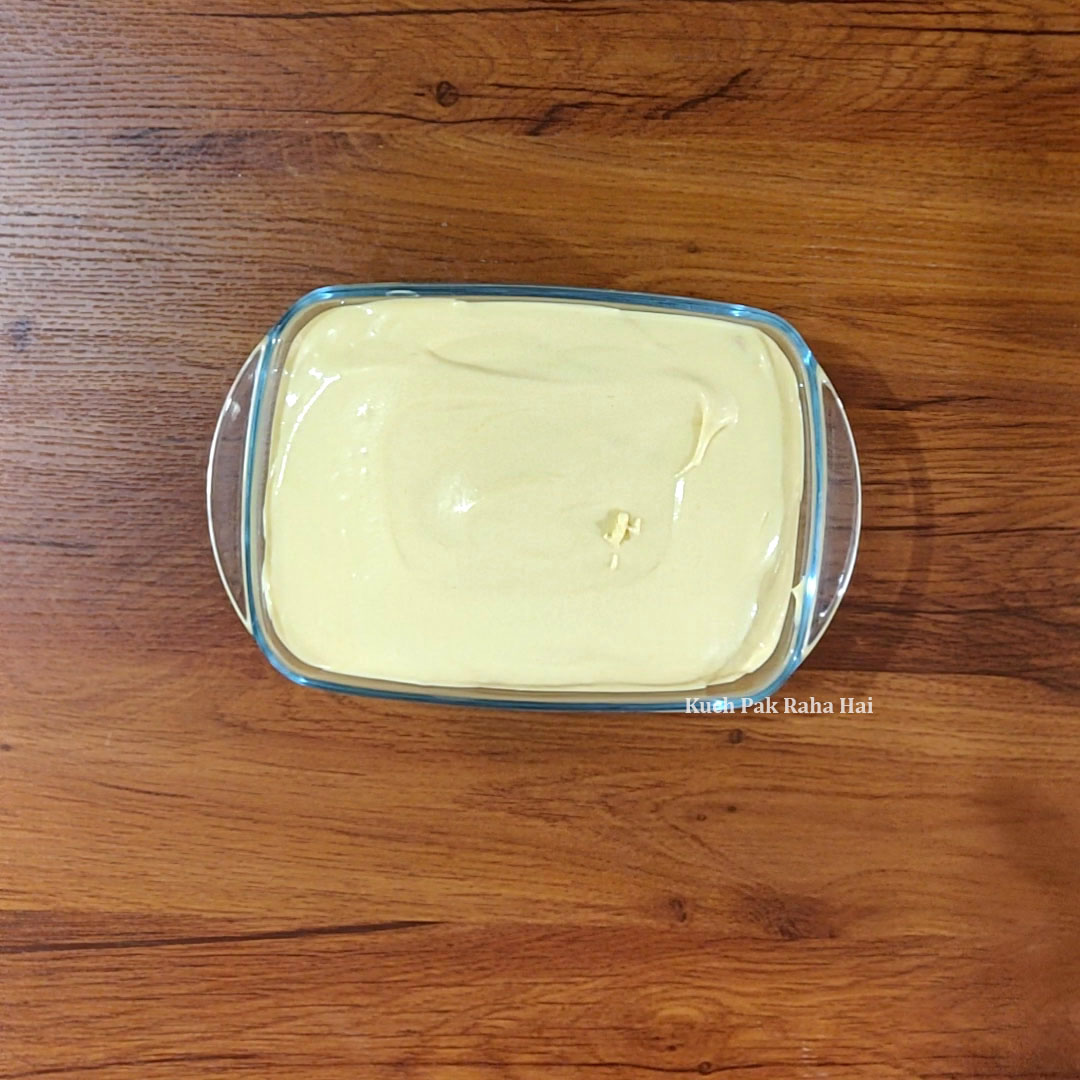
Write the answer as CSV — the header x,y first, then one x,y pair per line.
x,y
829,516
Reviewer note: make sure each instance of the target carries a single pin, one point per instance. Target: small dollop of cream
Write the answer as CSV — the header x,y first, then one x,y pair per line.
x,y
622,527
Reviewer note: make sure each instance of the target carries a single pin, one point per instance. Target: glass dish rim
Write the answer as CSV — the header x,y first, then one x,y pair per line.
x,y
432,695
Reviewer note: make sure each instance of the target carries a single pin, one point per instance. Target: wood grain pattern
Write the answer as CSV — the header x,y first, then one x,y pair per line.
x,y
207,872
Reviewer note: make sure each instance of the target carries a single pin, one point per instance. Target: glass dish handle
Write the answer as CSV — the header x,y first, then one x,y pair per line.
x,y
843,514
225,486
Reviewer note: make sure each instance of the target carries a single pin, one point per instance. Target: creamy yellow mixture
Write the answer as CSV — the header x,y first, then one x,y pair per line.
x,y
532,495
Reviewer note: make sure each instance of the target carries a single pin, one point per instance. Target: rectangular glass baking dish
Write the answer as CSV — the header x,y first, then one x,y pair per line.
x,y
829,518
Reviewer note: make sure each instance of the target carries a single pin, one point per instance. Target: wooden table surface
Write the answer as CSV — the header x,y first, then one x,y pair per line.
x,y
208,872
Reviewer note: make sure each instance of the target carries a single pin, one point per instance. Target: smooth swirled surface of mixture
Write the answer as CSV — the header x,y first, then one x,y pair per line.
x,y
532,495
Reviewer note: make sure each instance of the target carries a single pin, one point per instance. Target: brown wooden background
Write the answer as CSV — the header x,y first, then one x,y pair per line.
x,y
207,872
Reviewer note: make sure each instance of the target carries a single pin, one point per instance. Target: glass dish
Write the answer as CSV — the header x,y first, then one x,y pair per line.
x,y
829,516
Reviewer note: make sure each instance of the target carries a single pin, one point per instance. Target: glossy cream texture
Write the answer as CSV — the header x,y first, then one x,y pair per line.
x,y
532,495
